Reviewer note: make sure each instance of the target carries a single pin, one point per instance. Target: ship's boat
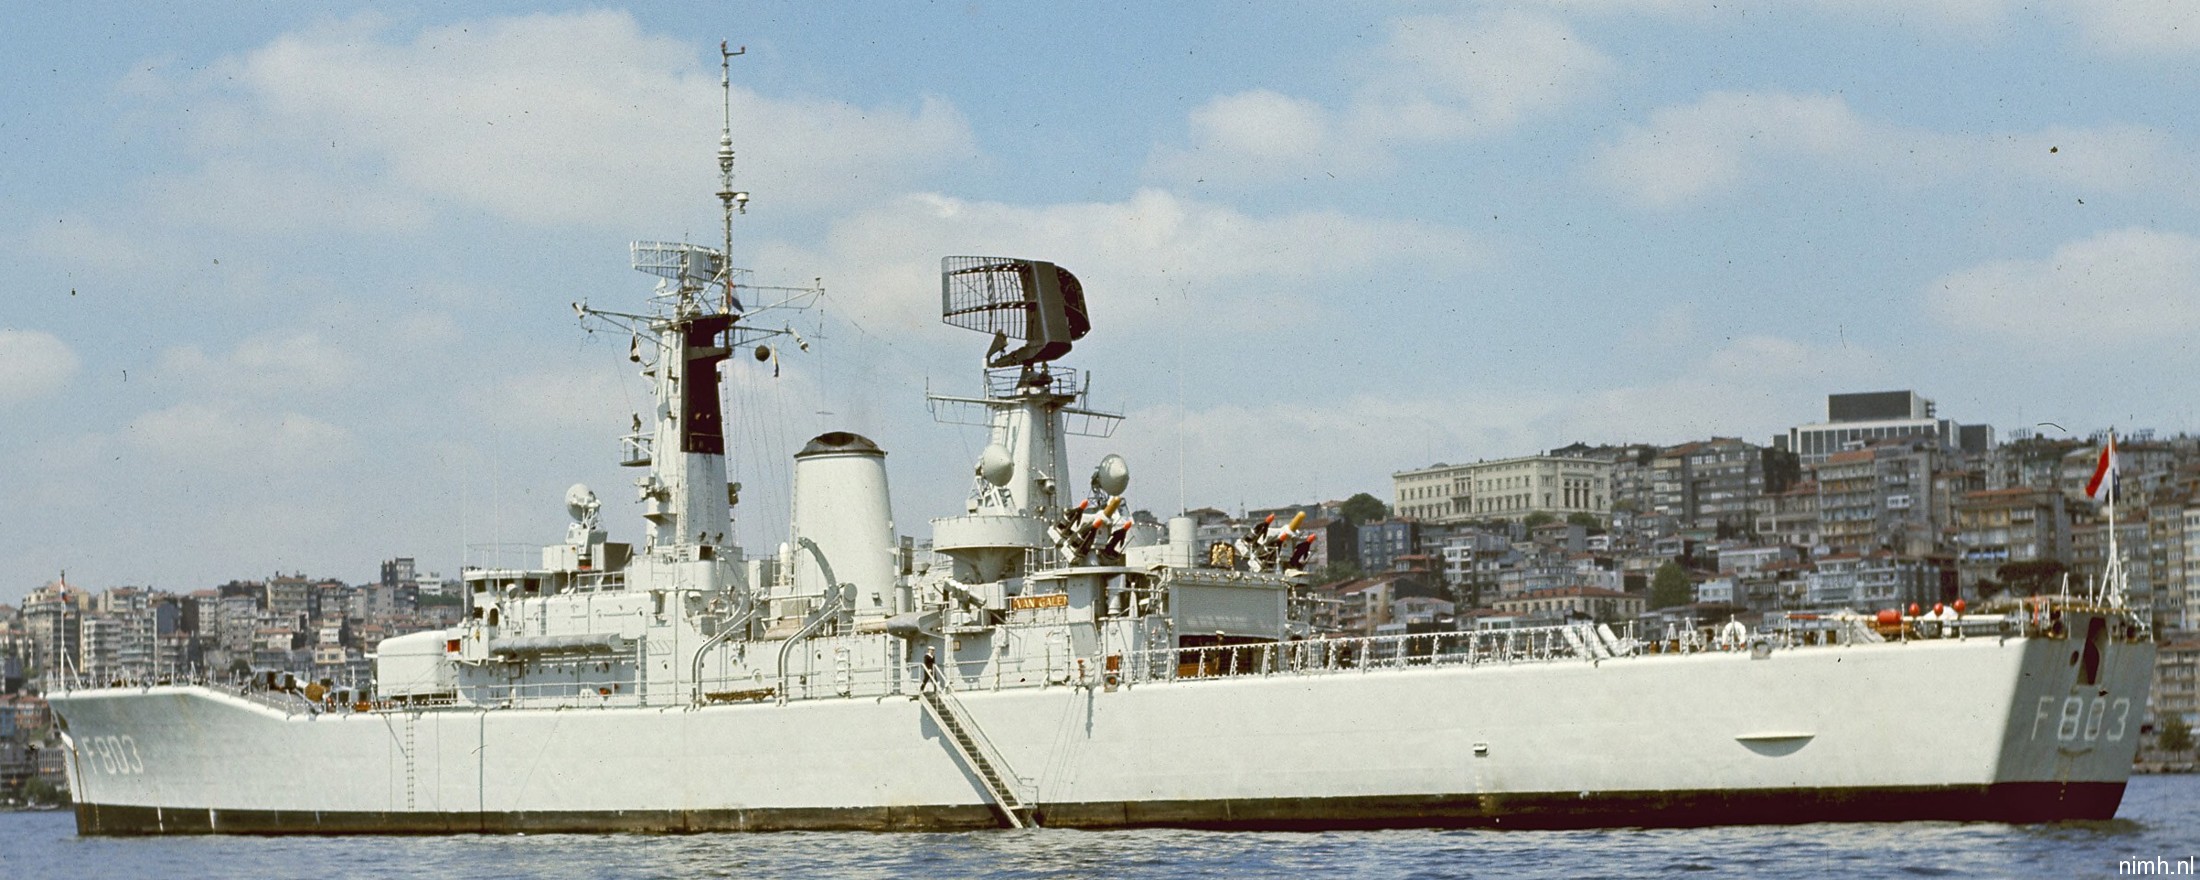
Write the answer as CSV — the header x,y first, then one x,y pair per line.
x,y
1056,661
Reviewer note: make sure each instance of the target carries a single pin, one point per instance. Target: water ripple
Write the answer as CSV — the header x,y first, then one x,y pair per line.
x,y
2157,816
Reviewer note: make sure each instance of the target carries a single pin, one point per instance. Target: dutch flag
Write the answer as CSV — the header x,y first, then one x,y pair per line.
x,y
2104,473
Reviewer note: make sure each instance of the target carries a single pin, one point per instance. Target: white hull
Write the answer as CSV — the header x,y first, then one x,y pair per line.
x,y
1978,728
598,692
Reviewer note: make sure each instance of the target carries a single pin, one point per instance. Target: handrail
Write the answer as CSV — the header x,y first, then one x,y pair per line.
x,y
1164,663
979,754
739,624
992,753
831,611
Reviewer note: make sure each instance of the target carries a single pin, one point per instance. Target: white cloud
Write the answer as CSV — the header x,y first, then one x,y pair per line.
x,y
2116,289
1727,139
1244,270
225,438
1953,16
1749,377
1967,18
273,363
33,364
587,395
95,248
1450,77
2109,27
1436,79
1266,134
236,196
1685,152
2139,27
1300,450
547,119
1289,449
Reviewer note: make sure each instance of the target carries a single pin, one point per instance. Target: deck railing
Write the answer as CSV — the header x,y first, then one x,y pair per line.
x,y
830,675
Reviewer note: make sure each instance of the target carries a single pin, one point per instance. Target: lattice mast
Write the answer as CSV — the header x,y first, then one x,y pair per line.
x,y
690,330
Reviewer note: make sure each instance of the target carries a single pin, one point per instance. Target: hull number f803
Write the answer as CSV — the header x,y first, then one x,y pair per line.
x,y
2077,718
114,755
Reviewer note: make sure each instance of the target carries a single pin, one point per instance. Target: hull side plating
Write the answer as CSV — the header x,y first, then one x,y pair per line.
x,y
1981,729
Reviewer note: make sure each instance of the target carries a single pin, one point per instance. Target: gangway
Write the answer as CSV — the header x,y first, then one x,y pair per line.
x,y
978,754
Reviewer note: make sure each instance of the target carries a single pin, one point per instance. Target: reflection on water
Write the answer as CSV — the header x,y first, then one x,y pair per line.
x,y
2159,819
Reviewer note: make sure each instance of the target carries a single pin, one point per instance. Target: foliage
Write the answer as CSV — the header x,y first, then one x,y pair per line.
x,y
1471,592
38,790
1735,528
2175,735
1363,508
428,600
2032,577
1539,519
1783,469
1585,520
1342,570
1670,586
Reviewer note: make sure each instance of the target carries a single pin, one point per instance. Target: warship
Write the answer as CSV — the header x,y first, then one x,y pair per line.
x,y
1054,661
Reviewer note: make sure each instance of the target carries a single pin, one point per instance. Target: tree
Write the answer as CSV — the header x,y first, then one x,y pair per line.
x,y
1670,586
1340,570
1584,519
1783,469
38,790
2032,577
2175,736
1538,519
1363,508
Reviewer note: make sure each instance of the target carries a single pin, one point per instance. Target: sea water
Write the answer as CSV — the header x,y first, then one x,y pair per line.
x,y
2157,832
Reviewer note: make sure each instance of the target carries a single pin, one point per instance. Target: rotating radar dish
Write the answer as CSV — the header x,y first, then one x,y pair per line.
x,y
1034,301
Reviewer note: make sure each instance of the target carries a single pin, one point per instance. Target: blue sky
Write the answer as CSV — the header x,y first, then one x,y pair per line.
x,y
288,284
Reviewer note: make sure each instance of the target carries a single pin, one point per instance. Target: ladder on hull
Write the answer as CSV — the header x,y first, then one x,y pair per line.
x,y
411,719
978,754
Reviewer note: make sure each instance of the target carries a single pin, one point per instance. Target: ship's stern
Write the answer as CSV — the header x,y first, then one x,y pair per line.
x,y
2073,730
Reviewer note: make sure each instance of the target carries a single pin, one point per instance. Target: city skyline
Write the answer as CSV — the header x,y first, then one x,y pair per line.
x,y
290,291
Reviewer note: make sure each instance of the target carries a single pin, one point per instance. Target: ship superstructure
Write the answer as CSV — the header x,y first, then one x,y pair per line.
x,y
1060,662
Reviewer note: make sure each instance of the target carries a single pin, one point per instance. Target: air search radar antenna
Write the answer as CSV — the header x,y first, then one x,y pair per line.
x,y
1037,304
1032,301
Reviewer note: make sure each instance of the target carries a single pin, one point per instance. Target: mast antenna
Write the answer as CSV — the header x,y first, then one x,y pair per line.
x,y
729,199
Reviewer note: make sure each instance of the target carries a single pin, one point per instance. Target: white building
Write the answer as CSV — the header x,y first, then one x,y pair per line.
x,y
1719,591
2192,569
1853,420
1507,489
